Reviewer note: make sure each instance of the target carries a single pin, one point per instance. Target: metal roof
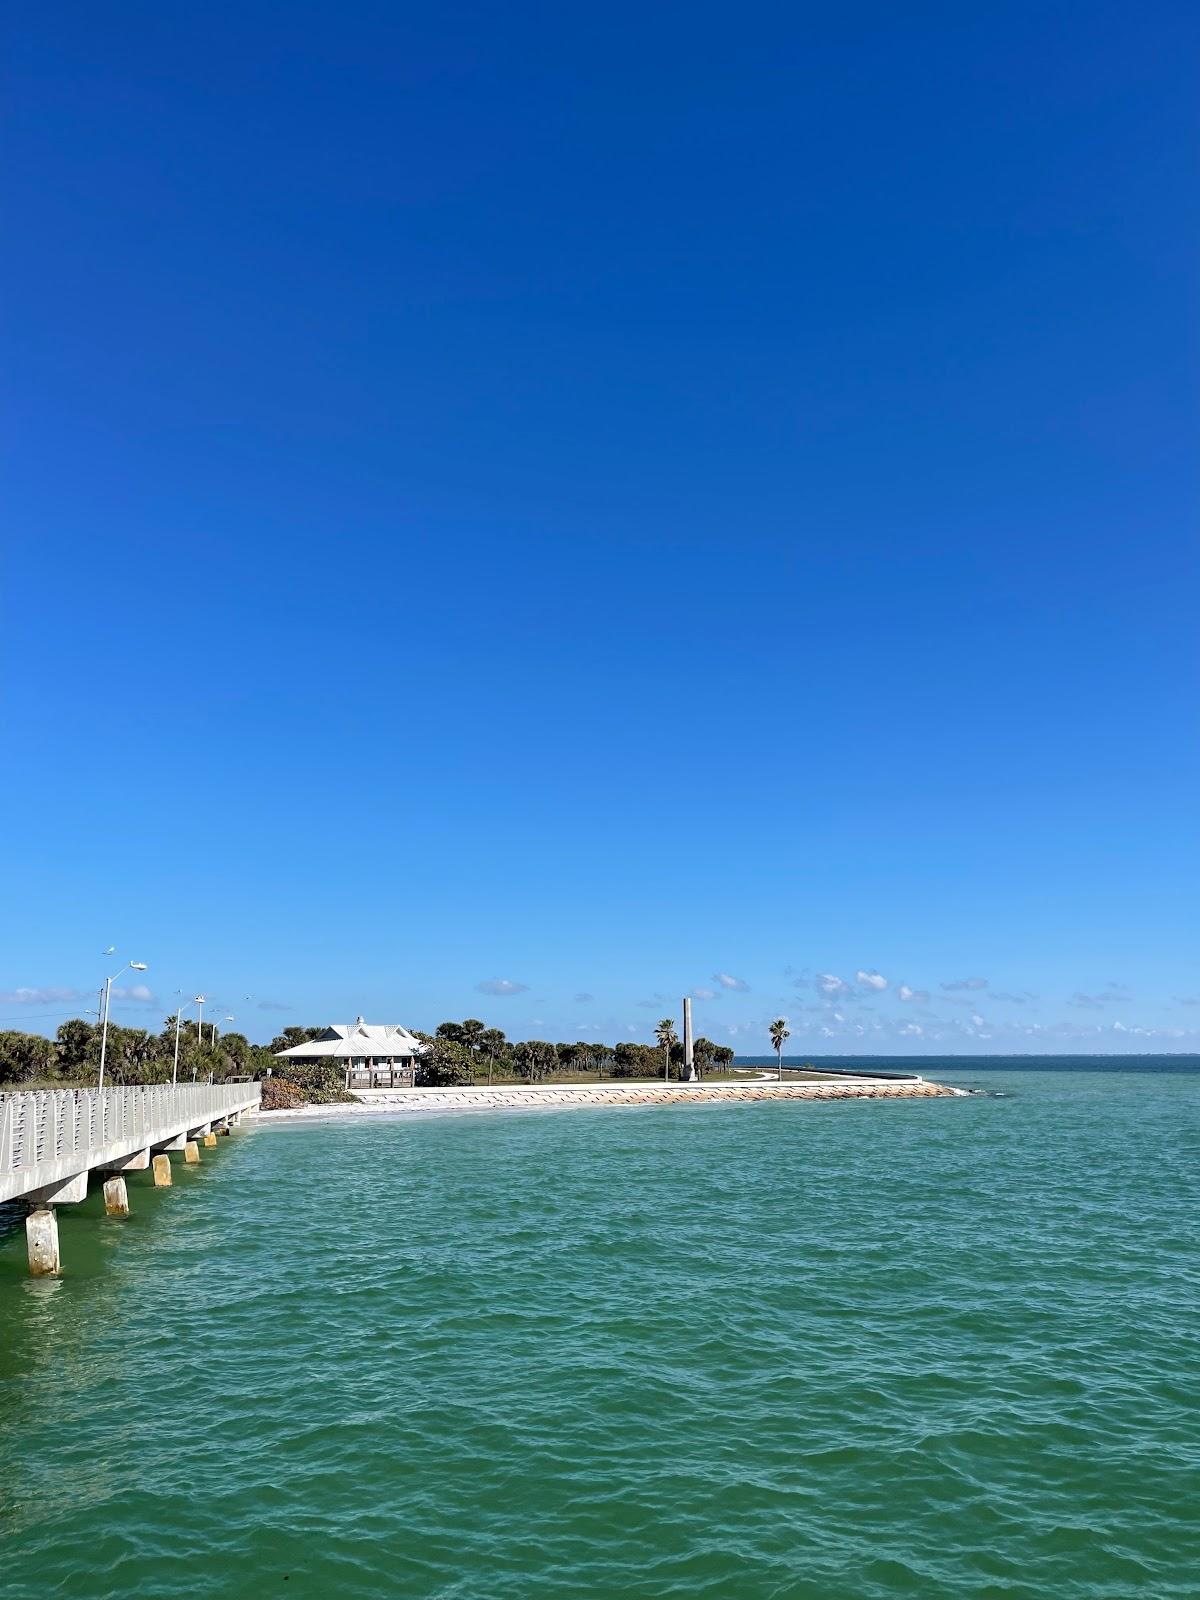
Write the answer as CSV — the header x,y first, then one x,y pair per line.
x,y
359,1038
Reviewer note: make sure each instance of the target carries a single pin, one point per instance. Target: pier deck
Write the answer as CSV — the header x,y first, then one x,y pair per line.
x,y
51,1139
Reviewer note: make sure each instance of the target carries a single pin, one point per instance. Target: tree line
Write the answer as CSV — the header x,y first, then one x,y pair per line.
x,y
470,1052
456,1053
133,1055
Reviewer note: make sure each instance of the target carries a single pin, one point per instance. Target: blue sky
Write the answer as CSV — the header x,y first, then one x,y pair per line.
x,y
525,512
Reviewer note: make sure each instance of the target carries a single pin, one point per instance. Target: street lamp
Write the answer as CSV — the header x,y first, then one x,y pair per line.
x,y
130,966
184,1004
199,1002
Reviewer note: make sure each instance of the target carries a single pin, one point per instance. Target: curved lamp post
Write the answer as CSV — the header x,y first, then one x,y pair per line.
x,y
130,966
179,1013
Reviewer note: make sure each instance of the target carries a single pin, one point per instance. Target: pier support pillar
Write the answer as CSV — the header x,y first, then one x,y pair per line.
x,y
222,1128
161,1166
210,1141
191,1153
116,1197
41,1234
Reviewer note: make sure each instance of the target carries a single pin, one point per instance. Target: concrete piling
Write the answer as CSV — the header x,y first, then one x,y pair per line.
x,y
41,1235
116,1196
161,1167
210,1140
191,1153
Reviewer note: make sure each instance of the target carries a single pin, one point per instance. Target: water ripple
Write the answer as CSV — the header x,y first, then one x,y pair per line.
x,y
944,1348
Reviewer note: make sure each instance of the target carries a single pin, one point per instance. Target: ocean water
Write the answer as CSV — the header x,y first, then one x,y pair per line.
x,y
848,1351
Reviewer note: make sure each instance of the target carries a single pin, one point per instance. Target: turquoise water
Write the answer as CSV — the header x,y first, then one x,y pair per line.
x,y
934,1348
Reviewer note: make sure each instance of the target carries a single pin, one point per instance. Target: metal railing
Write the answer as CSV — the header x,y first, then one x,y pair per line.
x,y
47,1135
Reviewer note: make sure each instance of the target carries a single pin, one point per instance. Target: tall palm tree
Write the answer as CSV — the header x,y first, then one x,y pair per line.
x,y
471,1033
667,1037
492,1042
779,1032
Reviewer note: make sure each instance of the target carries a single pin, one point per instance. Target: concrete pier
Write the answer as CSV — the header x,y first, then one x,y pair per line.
x,y
210,1140
52,1139
67,1192
41,1233
137,1162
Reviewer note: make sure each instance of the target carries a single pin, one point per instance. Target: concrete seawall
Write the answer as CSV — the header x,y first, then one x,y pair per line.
x,y
533,1097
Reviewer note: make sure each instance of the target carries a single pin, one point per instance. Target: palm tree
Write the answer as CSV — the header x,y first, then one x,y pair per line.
x,y
492,1042
471,1033
667,1037
779,1032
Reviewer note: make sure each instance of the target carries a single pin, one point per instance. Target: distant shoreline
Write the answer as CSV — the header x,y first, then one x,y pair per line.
x,y
415,1102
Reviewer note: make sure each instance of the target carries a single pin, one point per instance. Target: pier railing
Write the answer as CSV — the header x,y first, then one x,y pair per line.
x,y
47,1136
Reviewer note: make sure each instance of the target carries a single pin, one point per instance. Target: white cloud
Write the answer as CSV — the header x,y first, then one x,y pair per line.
x,y
729,982
977,1020
501,986
871,980
704,994
37,997
830,985
919,997
966,983
912,1029
138,993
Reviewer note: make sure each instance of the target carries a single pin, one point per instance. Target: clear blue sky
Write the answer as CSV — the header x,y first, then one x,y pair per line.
x,y
580,501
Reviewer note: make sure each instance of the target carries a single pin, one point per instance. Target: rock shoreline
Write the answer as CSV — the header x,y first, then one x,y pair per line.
x,y
525,1098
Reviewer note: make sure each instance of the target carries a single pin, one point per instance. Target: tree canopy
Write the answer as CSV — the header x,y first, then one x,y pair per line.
x,y
457,1053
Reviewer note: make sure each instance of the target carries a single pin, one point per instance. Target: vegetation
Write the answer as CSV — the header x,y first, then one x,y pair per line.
x,y
134,1055
279,1094
780,1033
465,1052
667,1039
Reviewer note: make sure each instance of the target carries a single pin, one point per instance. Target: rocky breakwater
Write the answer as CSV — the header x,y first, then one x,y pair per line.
x,y
553,1096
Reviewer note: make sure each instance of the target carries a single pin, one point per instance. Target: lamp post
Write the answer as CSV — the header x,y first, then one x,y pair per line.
x,y
130,966
211,1074
199,1003
179,1013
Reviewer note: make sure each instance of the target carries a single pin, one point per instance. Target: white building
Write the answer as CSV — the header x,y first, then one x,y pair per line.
x,y
374,1055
